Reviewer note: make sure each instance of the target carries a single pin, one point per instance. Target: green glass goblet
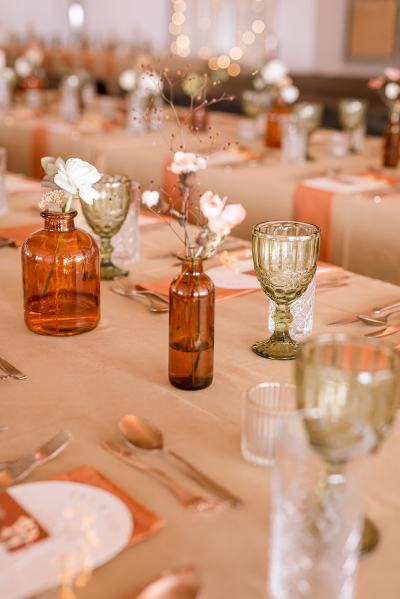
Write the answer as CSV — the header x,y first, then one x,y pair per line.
x,y
285,255
348,380
106,216
352,115
310,116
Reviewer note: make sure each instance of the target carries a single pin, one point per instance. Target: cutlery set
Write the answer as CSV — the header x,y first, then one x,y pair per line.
x,y
156,302
140,436
378,316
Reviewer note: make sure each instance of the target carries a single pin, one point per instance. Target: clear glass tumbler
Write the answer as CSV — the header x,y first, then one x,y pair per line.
x,y
293,140
316,521
264,406
3,165
126,242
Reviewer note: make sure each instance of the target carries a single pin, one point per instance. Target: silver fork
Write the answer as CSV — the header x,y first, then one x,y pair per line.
x,y
185,497
17,471
46,452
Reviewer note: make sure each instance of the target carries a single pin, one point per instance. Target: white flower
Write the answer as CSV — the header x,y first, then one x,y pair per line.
x,y
149,84
22,67
289,94
127,80
3,60
392,91
150,198
34,55
185,163
273,71
392,73
78,177
211,205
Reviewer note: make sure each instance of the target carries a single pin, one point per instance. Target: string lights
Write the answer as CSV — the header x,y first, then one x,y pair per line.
x,y
227,61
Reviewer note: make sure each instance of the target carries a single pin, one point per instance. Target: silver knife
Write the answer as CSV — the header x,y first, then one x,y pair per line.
x,y
11,370
390,330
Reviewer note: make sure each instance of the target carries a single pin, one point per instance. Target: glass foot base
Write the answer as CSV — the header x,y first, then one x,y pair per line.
x,y
275,350
370,537
109,272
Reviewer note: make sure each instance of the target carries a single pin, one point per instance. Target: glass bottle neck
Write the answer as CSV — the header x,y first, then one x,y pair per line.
x,y
61,222
192,265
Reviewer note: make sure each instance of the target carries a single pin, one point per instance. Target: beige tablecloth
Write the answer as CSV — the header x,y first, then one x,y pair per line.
x,y
86,383
363,239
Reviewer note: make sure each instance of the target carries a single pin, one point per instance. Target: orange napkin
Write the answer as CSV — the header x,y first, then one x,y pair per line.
x,y
19,234
146,522
161,286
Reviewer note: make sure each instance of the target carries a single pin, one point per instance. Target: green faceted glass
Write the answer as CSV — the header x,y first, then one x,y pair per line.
x,y
106,216
285,255
348,380
352,116
310,116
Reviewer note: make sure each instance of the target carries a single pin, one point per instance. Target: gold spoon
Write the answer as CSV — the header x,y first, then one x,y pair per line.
x,y
142,434
180,583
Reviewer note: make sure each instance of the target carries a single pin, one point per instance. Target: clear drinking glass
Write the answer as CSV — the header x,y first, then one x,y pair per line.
x,y
346,379
3,168
126,242
285,255
293,140
316,519
352,118
310,115
264,406
106,216
302,312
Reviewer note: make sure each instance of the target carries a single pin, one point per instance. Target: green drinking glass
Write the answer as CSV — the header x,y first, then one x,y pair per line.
x,y
285,255
106,216
347,380
352,116
310,116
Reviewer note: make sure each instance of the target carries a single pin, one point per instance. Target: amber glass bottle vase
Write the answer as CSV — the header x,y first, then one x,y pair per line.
x,y
61,279
191,327
391,141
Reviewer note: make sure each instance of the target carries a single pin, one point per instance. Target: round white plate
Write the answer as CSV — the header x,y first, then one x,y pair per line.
x,y
64,509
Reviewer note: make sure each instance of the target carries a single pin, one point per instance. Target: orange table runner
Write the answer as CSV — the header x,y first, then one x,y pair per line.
x,y
314,205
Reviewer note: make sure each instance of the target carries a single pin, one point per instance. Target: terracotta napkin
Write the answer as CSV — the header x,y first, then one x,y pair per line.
x,y
19,234
146,522
161,286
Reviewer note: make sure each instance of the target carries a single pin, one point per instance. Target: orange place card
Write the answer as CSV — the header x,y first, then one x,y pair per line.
x,y
18,528
146,522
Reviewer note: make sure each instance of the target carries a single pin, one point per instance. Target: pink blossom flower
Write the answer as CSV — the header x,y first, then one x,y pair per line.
x,y
392,73
211,205
185,163
219,226
233,214
375,83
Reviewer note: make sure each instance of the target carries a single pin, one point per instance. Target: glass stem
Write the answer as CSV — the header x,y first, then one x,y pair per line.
x,y
106,249
283,319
